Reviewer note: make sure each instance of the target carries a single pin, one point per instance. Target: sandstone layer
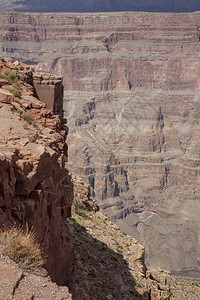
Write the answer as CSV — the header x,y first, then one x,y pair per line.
x,y
35,187
132,103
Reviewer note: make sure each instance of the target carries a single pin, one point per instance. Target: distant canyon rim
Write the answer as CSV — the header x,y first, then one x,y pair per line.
x,y
132,100
100,6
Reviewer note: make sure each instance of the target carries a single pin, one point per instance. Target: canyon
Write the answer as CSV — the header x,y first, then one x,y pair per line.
x,y
132,101
37,231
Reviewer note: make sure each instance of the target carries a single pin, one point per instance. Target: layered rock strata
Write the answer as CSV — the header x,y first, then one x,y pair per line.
x,y
132,102
35,187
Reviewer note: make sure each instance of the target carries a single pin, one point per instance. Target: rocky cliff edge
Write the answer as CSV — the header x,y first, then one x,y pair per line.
x,y
35,187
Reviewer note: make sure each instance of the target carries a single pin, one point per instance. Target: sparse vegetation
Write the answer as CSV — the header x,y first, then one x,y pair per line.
x,y
28,118
14,81
105,260
21,246
98,261
6,72
79,208
119,249
17,93
10,76
18,111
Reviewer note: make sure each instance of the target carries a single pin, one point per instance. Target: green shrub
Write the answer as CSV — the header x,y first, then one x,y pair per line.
x,y
17,93
10,76
18,111
28,118
6,72
79,208
21,68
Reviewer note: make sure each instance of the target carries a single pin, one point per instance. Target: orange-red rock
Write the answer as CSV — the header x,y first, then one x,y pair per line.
x,y
35,187
18,284
6,96
3,82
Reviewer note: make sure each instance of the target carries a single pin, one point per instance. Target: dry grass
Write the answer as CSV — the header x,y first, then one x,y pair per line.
x,y
21,246
28,118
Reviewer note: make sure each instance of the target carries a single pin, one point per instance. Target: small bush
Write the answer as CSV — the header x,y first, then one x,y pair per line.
x,y
6,72
29,118
21,68
17,93
10,76
21,246
18,111
79,208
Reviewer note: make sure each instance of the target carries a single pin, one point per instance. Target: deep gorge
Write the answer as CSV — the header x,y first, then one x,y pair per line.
x,y
132,103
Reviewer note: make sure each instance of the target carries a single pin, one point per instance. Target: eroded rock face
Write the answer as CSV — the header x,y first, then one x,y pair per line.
x,y
132,102
49,90
82,193
35,187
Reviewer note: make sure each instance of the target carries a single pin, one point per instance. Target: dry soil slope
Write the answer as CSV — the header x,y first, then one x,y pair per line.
x,y
110,264
132,103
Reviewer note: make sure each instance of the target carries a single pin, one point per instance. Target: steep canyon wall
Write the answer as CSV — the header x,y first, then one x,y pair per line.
x,y
35,187
132,100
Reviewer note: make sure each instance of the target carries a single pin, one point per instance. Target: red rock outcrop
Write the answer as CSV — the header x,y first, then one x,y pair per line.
x,y
35,187
17,284
49,90
82,193
132,101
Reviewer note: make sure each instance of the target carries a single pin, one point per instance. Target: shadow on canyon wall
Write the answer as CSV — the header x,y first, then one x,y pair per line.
x,y
101,273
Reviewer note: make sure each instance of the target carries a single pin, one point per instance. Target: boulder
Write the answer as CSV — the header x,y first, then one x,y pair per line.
x,y
6,96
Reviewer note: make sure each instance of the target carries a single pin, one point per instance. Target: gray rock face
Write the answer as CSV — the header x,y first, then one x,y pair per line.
x,y
130,149
132,104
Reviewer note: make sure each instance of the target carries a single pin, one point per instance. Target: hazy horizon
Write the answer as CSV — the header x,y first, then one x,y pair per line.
x,y
100,6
